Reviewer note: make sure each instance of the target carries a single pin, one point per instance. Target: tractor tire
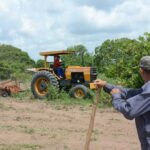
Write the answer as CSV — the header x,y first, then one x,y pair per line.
x,y
79,91
40,82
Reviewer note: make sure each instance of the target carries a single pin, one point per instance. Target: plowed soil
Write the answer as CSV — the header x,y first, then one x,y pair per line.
x,y
38,125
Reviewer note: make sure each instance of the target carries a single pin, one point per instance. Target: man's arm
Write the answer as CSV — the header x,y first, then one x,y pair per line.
x,y
125,92
130,102
132,107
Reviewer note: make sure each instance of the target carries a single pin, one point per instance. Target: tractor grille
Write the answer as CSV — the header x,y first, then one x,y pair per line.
x,y
93,73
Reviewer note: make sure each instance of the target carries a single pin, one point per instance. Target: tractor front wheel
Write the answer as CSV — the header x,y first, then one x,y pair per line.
x,y
40,82
79,92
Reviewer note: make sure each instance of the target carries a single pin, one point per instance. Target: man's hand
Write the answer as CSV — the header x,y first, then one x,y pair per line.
x,y
115,91
99,83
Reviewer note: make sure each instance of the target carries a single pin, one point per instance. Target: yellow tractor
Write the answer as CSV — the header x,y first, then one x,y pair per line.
x,y
76,79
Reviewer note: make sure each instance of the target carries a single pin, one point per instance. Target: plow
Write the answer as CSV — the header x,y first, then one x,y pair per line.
x,y
9,87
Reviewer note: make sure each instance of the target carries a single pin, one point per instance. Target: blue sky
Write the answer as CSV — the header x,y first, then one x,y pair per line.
x,y
39,25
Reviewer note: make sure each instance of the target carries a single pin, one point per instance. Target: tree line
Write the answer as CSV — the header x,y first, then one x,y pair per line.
x,y
117,59
13,61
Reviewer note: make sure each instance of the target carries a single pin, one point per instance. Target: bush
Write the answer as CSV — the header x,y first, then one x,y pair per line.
x,y
22,95
13,60
52,93
119,59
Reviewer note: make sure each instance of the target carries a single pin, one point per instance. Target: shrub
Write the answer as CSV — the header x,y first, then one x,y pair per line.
x,y
119,59
52,93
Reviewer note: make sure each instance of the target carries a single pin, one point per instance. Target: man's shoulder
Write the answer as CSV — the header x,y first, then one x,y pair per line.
x,y
146,87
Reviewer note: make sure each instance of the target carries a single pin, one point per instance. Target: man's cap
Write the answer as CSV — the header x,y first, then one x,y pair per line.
x,y
145,62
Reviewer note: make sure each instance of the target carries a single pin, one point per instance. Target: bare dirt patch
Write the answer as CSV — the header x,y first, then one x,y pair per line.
x,y
37,125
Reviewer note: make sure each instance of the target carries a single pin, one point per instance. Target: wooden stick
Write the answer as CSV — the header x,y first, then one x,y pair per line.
x,y
91,125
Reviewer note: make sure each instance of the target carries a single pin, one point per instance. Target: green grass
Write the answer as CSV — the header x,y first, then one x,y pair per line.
x,y
22,95
20,147
64,99
27,130
105,101
7,127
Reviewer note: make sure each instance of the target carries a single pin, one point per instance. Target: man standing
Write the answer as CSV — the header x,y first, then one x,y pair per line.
x,y
134,103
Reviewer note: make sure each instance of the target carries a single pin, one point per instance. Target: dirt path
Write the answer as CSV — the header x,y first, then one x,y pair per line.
x,y
39,126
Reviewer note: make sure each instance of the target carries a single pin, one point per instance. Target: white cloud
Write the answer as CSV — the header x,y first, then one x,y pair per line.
x,y
45,25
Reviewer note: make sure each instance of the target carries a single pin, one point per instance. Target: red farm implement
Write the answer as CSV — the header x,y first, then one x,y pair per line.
x,y
9,87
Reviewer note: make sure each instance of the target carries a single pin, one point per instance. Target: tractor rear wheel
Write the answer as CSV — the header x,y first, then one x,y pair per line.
x,y
40,83
79,91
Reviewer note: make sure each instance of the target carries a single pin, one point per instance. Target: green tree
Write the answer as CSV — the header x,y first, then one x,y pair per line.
x,y
13,60
81,57
120,58
40,63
